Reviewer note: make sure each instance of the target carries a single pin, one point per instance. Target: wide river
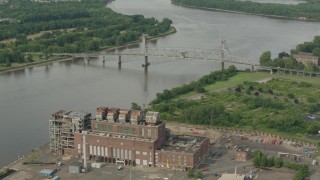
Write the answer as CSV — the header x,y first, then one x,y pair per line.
x,y
29,96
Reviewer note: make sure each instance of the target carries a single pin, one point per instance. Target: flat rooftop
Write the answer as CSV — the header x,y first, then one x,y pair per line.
x,y
183,143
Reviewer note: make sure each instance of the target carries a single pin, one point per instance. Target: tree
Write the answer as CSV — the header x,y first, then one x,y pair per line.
x,y
238,90
278,162
8,63
199,174
191,173
264,161
291,96
257,156
310,67
30,58
135,106
265,58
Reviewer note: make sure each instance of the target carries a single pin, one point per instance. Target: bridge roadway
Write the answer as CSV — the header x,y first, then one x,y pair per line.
x,y
198,54
222,55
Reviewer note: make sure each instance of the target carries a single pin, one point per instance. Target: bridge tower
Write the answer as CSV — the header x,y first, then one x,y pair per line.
x,y
222,53
145,52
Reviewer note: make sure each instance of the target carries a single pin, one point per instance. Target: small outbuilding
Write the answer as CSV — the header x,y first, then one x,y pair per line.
x,y
74,168
47,172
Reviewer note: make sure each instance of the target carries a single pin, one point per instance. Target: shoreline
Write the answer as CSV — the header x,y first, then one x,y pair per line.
x,y
240,12
172,30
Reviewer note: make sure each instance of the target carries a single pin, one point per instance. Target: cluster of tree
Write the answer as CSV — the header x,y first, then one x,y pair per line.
x,y
195,85
310,47
302,170
288,62
261,160
70,27
307,10
8,57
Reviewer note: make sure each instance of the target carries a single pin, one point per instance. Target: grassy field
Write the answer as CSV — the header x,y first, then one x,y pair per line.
x,y
276,104
255,77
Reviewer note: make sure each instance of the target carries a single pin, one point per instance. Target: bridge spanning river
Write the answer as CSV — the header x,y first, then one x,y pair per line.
x,y
222,55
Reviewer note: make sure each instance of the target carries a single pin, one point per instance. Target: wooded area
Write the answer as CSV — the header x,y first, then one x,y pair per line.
x,y
68,27
308,10
285,60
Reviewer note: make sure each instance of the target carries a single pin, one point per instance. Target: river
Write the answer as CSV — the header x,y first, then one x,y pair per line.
x,y
29,96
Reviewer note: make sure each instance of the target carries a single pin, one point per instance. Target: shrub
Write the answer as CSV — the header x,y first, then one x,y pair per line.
x,y
291,96
191,173
238,90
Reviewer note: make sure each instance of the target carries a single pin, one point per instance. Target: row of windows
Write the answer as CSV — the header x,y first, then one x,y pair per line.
x,y
103,127
148,131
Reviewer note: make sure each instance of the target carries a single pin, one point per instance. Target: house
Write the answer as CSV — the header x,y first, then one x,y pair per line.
x,y
304,58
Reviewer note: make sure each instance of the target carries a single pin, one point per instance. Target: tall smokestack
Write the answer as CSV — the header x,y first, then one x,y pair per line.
x,y
84,152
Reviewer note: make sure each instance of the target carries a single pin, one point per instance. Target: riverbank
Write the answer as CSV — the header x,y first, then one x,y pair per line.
x,y
239,12
172,30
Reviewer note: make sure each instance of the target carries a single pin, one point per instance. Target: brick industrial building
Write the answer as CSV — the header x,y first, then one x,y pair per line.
x,y
130,137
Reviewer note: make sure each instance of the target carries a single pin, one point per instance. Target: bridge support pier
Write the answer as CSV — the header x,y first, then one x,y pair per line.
x,y
104,61
252,68
222,65
146,62
119,60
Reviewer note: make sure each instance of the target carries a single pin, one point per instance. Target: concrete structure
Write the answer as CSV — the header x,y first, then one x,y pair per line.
x,y
62,125
124,115
74,168
136,116
241,156
47,172
232,177
304,58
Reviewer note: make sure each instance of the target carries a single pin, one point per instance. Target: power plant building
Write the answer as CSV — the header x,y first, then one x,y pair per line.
x,y
132,138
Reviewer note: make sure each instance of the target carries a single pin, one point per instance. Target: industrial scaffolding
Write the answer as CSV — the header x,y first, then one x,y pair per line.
x,y
62,125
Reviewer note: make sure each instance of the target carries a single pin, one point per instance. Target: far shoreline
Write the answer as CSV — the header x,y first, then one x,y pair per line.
x,y
240,12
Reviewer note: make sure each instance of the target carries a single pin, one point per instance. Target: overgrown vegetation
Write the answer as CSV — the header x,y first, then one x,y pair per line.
x,y
68,27
248,105
195,174
308,10
261,160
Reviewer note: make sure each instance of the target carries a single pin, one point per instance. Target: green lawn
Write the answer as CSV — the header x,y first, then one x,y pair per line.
x,y
252,77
